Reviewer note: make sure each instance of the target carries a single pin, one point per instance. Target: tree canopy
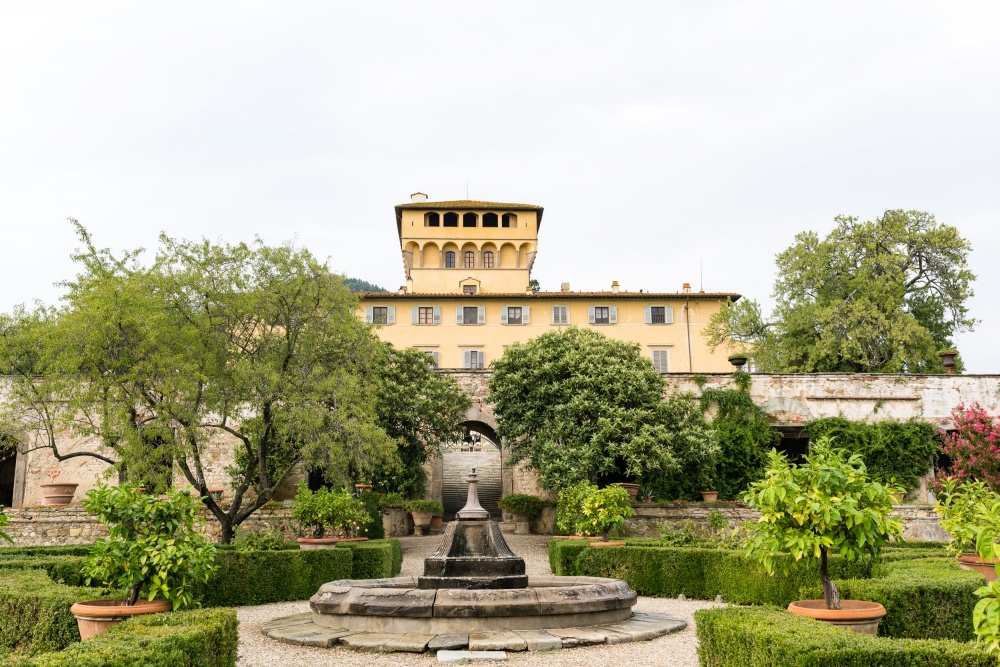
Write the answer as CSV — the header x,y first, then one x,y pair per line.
x,y
246,347
881,296
576,405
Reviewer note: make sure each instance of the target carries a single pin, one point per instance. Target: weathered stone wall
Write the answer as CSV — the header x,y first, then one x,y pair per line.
x,y
919,521
48,526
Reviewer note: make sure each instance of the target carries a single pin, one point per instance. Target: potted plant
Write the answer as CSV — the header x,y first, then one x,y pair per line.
x,y
155,547
524,507
961,509
569,509
316,511
738,360
710,496
826,504
604,510
395,519
646,494
58,494
423,511
632,488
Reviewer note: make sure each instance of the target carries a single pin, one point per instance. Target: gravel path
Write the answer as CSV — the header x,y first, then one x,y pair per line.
x,y
675,650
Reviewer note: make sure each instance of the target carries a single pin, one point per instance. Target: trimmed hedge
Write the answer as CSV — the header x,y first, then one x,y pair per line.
x,y
763,637
374,559
262,577
198,638
34,612
61,569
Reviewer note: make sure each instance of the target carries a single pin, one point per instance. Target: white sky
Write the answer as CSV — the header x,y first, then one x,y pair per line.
x,y
658,136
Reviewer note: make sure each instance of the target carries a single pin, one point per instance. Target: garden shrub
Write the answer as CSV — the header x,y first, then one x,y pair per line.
x,y
372,529
261,577
763,637
197,638
61,569
903,451
924,598
563,555
34,611
374,559
66,550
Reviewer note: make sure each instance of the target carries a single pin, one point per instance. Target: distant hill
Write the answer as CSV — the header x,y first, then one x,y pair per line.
x,y
356,285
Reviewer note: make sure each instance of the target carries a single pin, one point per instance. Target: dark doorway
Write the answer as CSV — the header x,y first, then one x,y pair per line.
x,y
7,464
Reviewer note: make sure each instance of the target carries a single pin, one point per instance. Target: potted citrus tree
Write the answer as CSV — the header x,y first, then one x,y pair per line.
x,y
317,511
155,550
524,507
828,504
423,511
961,507
602,511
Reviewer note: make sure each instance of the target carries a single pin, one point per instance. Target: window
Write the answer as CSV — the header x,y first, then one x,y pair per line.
x,y
422,315
451,219
432,219
659,315
470,315
488,258
490,220
560,315
509,220
473,359
380,314
469,289
513,315
434,358
469,259
470,220
602,314
661,361
449,260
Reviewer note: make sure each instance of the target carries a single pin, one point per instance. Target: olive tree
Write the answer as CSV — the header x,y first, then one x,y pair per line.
x,y
575,405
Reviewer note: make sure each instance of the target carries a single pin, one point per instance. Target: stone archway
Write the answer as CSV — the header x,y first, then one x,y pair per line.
x,y
480,449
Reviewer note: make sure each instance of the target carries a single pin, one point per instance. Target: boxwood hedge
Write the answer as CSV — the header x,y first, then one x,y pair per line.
x,y
374,559
197,638
766,636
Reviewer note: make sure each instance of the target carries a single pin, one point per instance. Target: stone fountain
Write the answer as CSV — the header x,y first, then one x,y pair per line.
x,y
474,594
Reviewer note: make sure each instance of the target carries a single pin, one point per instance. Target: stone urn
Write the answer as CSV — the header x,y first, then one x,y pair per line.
x,y
633,490
710,496
422,521
522,523
95,617
58,494
311,543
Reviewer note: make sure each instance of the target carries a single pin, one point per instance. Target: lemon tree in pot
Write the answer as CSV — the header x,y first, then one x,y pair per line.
x,y
827,505
963,509
155,550
316,511
602,511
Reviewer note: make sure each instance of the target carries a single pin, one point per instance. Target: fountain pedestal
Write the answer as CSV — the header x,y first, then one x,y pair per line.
x,y
473,553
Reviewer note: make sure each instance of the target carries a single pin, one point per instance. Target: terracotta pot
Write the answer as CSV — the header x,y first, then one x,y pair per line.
x,y
216,494
437,525
58,494
633,489
310,543
710,496
94,617
648,500
607,544
856,615
973,563
571,537
422,521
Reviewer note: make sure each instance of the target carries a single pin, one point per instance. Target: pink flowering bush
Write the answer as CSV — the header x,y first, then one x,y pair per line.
x,y
974,446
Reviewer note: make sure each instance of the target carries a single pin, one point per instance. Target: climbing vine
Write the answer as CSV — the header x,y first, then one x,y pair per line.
x,y
904,451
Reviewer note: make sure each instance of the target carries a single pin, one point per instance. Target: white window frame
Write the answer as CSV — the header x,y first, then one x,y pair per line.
x,y
668,314
415,316
460,315
612,315
525,315
390,316
467,360
663,366
565,315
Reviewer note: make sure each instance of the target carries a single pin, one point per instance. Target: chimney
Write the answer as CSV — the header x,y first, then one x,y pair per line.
x,y
402,289
614,286
564,287
687,288
418,197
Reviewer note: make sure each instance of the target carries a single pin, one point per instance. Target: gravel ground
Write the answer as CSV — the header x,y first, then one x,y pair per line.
x,y
675,650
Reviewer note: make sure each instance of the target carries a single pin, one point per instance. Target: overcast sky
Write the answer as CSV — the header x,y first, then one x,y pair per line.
x,y
660,137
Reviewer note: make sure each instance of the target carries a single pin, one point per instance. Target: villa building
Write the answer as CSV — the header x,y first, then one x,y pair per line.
x,y
468,293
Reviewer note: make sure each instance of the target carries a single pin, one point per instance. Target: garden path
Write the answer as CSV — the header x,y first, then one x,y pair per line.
x,y
674,650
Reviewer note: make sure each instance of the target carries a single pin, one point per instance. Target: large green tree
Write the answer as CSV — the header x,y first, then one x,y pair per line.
x,y
423,410
883,296
249,349
576,405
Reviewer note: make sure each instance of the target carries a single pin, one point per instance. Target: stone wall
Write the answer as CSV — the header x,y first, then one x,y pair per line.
x,y
51,526
919,521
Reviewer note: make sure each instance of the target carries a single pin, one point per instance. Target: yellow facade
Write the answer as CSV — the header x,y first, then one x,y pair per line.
x,y
465,309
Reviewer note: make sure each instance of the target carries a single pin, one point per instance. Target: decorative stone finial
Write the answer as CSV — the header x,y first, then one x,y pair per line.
x,y
472,510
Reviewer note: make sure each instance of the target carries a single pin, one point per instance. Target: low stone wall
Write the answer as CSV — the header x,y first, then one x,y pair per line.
x,y
919,521
52,526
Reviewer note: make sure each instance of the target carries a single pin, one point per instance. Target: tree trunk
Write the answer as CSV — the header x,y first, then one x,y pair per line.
x,y
830,592
227,529
134,594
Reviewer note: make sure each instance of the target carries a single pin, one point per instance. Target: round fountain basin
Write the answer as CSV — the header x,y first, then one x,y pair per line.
x,y
398,605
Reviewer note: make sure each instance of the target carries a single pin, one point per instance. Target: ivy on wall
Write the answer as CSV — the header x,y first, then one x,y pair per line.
x,y
904,451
